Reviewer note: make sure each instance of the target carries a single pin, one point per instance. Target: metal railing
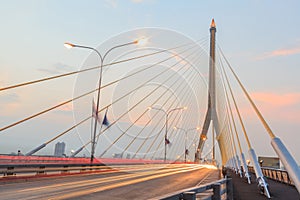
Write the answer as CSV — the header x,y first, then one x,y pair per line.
x,y
218,190
279,175
29,166
8,159
31,170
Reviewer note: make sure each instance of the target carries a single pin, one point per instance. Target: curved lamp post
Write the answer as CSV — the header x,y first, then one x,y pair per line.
x,y
68,45
185,138
167,113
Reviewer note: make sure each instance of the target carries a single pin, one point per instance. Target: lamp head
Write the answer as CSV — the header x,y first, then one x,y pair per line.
x,y
149,108
142,41
203,137
69,45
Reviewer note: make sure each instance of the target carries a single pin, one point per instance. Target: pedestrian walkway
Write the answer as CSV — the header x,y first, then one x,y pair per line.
x,y
279,191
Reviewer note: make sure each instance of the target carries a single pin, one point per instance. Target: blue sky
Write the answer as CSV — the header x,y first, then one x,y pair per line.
x,y
260,38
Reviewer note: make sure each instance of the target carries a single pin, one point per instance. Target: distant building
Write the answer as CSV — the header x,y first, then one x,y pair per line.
x,y
118,155
271,162
59,150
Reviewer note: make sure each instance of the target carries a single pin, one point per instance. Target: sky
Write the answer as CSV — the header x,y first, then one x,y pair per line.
x,y
261,39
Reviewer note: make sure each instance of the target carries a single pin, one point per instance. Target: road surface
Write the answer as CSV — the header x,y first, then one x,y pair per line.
x,y
129,182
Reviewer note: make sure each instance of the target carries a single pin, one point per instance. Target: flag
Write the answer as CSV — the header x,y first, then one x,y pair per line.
x,y
167,141
105,120
186,152
94,114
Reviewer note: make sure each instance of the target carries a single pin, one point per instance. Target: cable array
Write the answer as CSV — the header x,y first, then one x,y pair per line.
x,y
181,75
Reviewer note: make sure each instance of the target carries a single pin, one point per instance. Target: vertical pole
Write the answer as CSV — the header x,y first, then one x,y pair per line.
x,y
245,167
97,107
229,189
239,165
166,138
213,142
234,164
216,191
185,146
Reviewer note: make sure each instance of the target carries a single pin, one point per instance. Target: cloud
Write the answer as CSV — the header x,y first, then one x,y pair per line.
x,y
278,107
112,3
280,52
285,52
288,99
57,68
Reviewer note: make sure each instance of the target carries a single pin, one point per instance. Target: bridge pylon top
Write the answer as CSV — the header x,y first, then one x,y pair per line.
x,y
213,24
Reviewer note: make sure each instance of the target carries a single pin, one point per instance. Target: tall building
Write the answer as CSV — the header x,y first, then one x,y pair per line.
x,y
59,150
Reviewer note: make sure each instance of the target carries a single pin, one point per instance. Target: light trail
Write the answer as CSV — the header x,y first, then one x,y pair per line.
x,y
89,184
120,184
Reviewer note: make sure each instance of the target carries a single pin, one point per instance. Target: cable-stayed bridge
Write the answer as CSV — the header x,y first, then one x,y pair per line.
x,y
148,111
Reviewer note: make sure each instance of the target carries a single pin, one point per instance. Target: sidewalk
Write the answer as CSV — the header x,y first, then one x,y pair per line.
x,y
279,191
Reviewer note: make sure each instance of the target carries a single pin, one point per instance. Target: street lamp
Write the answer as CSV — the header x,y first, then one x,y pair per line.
x,y
167,113
142,41
69,46
185,139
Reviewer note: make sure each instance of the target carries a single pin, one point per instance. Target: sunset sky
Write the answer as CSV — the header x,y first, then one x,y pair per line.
x,y
261,39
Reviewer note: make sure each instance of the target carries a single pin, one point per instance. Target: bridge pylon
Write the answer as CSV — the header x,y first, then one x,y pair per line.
x,y
211,114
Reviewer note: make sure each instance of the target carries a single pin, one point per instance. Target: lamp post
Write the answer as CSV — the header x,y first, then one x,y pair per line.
x,y
167,113
101,58
185,138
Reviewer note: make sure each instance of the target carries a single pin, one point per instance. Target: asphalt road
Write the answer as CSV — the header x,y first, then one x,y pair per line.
x,y
130,182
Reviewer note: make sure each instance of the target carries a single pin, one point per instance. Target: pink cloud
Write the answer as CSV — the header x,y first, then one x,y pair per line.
x,y
274,106
280,52
287,99
286,52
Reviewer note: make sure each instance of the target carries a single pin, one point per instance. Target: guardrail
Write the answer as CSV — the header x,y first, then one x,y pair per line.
x,y
7,159
33,170
32,166
279,175
218,190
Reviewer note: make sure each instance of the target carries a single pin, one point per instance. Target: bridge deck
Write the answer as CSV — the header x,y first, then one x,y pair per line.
x,y
126,182
244,191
